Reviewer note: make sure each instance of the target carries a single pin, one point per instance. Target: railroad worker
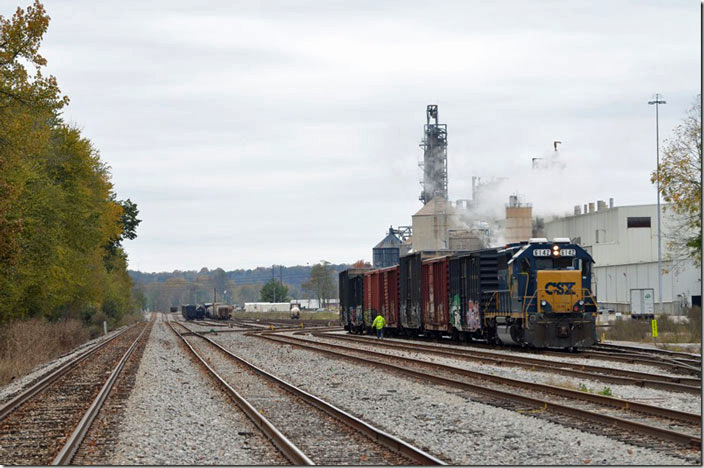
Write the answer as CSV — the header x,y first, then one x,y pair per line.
x,y
379,323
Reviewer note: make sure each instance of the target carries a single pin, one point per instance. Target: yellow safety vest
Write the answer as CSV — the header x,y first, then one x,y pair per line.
x,y
379,322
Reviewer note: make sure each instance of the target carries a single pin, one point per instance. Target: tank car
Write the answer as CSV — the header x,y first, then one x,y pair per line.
x,y
295,312
218,311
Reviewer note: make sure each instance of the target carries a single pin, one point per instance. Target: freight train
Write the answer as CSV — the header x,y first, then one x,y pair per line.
x,y
535,293
207,310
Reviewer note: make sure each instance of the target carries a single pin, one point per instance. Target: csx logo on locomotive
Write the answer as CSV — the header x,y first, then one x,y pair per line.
x,y
563,288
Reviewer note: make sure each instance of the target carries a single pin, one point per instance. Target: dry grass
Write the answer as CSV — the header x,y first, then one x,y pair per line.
x,y
669,331
26,344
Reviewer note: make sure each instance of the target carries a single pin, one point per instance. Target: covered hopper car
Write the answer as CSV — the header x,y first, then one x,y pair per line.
x,y
535,293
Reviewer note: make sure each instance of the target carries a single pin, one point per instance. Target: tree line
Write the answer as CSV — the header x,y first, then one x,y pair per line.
x,y
160,291
61,224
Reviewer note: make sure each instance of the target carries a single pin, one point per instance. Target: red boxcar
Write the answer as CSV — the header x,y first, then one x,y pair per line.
x,y
390,297
373,290
435,299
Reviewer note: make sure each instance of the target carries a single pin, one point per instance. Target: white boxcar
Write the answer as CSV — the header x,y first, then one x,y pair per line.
x,y
267,306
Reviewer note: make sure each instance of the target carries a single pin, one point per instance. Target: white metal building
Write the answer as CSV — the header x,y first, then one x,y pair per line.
x,y
267,306
623,241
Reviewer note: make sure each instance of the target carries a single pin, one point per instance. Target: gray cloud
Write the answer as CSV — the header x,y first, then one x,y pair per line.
x,y
253,133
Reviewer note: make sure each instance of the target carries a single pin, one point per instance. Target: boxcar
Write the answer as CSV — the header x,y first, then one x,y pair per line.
x,y
435,304
410,294
352,299
473,280
381,295
390,296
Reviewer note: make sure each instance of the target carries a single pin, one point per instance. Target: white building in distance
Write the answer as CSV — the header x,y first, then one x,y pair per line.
x,y
624,244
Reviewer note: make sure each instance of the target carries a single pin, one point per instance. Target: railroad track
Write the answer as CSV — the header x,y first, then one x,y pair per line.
x,y
604,374
654,351
287,414
669,365
671,431
693,361
46,423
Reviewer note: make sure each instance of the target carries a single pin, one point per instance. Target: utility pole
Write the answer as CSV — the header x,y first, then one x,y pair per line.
x,y
273,277
657,101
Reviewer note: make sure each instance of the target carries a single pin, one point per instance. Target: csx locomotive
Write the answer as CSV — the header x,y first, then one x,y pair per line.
x,y
535,293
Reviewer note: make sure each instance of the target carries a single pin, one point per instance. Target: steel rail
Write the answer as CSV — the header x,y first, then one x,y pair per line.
x,y
666,352
74,441
617,376
389,441
53,376
613,421
287,448
601,355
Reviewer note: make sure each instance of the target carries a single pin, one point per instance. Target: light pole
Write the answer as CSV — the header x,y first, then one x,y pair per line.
x,y
657,101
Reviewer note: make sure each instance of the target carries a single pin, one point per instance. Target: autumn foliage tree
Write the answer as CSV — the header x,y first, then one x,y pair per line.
x,y
321,284
680,177
60,222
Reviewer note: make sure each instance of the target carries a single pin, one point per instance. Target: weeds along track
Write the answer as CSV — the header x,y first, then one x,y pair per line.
x,y
337,438
674,432
46,423
682,384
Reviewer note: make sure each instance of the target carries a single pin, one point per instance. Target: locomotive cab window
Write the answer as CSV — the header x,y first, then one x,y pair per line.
x,y
562,263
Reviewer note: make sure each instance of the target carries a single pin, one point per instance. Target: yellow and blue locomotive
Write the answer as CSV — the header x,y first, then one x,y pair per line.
x,y
546,300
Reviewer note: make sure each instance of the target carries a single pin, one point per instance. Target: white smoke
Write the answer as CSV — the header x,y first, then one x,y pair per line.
x,y
556,184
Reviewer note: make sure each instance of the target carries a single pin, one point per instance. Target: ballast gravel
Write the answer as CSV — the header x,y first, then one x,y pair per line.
x,y
679,401
177,416
438,419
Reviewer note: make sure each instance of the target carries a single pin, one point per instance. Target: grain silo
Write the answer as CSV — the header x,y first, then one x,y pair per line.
x,y
386,252
519,220
431,225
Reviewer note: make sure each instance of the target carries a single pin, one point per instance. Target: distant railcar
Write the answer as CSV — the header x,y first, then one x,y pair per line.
x,y
218,311
295,312
189,312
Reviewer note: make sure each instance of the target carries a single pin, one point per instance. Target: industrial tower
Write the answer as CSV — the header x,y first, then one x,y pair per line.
x,y
434,162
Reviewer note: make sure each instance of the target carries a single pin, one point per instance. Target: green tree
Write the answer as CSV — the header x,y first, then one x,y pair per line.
x,y
57,206
321,284
274,291
680,175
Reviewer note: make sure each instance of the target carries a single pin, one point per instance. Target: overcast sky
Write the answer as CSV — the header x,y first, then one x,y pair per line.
x,y
260,133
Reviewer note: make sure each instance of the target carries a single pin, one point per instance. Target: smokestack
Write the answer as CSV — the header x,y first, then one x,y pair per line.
x,y
611,202
577,210
600,205
591,207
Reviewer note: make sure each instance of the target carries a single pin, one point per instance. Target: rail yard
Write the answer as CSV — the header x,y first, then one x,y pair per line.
x,y
246,391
